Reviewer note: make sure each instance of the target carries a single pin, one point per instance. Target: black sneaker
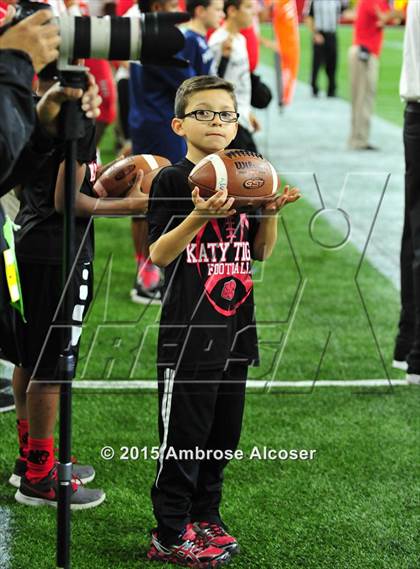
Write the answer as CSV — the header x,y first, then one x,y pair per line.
x,y
7,401
45,493
191,552
82,473
5,383
214,534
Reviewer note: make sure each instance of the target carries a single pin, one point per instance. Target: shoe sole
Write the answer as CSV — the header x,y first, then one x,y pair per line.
x,y
191,564
14,480
413,380
233,550
398,364
143,300
7,408
32,501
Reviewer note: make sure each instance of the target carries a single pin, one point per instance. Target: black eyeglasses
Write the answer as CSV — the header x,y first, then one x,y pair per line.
x,y
208,116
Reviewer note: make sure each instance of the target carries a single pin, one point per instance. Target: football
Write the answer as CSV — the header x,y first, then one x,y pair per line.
x,y
116,180
248,177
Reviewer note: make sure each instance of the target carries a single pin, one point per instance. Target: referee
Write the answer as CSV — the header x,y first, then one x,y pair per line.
x,y
407,346
322,17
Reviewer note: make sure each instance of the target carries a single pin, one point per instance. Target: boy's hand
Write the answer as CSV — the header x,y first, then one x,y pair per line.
x,y
217,206
288,196
140,201
35,35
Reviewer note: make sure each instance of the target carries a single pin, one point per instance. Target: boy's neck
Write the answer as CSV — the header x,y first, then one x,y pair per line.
x,y
231,26
197,27
194,155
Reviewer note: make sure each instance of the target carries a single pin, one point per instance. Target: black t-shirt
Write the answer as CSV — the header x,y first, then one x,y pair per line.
x,y
208,308
39,238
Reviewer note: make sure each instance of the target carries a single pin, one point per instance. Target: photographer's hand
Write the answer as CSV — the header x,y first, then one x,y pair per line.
x,y
35,36
48,108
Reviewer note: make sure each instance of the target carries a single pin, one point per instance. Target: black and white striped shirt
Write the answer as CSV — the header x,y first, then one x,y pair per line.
x,y
326,13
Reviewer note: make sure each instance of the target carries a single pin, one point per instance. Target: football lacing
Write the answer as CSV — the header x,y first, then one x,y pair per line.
x,y
241,153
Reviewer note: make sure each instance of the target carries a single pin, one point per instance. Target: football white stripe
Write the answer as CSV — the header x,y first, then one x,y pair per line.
x,y
151,160
275,178
220,171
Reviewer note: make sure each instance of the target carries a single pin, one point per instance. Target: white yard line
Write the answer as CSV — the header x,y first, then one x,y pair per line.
x,y
251,384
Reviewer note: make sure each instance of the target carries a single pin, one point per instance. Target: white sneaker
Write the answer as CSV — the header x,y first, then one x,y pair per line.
x,y
413,378
398,364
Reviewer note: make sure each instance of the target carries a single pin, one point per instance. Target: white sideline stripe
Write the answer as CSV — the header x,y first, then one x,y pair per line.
x,y
253,383
5,533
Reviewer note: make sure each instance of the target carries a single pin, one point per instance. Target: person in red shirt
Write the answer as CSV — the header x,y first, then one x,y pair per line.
x,y
371,17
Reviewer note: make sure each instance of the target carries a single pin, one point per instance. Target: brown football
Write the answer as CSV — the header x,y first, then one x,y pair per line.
x,y
248,177
119,178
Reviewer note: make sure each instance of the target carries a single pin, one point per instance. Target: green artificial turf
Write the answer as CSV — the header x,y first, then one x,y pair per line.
x,y
355,505
322,315
388,103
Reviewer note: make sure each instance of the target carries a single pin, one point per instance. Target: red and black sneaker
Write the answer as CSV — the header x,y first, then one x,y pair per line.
x,y
45,492
215,535
192,552
82,473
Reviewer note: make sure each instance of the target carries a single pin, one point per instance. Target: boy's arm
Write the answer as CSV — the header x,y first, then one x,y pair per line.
x,y
266,236
85,206
169,245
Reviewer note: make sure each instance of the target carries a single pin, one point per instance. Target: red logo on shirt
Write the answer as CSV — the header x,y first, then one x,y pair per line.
x,y
228,291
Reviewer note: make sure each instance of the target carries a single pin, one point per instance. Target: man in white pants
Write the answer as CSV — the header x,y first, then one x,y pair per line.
x,y
371,17
407,345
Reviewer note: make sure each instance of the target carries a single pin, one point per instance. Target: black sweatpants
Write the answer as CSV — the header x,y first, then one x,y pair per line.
x,y
202,409
325,55
408,339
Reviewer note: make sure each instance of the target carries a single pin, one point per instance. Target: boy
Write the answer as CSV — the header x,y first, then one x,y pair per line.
x,y
152,91
234,66
152,99
207,336
39,252
205,15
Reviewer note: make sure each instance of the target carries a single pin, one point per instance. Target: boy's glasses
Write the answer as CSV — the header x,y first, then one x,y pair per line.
x,y
207,116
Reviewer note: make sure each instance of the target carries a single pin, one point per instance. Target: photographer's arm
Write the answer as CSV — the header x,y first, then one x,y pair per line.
x,y
42,141
16,109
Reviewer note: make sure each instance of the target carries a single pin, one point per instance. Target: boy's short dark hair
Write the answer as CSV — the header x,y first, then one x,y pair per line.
x,y
146,5
228,3
191,5
200,83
